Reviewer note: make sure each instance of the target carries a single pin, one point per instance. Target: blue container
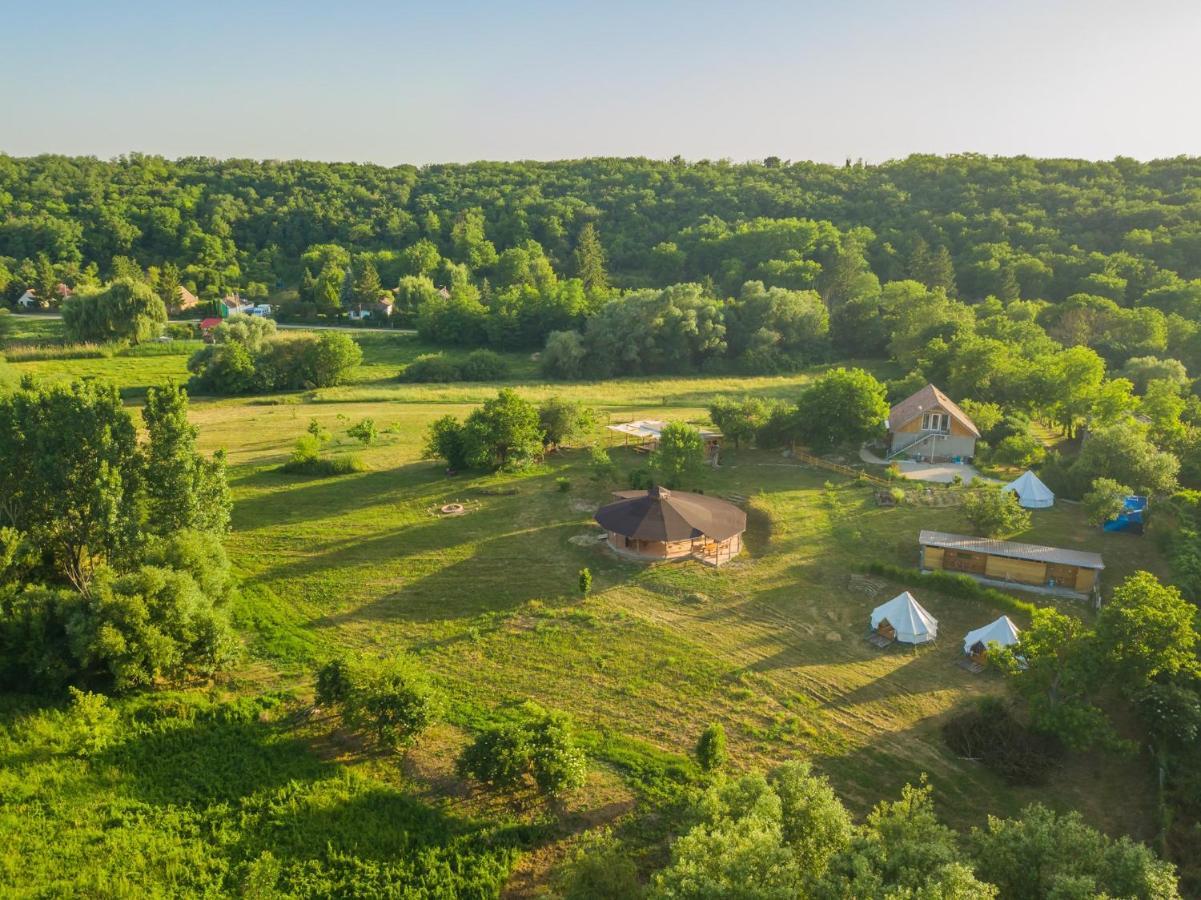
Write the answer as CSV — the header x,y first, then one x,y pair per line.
x,y
1131,518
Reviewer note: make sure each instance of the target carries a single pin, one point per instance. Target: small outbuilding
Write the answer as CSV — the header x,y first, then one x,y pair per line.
x,y
663,524
1001,632
904,619
1048,570
1030,491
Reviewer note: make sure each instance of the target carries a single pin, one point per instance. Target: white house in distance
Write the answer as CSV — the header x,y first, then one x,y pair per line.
x,y
28,300
929,425
1031,492
904,619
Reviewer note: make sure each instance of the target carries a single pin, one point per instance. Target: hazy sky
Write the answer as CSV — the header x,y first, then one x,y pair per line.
x,y
456,81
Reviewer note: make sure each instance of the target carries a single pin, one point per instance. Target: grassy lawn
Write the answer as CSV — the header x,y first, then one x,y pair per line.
x,y
770,645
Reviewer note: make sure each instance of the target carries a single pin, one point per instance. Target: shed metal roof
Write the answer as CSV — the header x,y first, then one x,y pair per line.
x,y
1011,549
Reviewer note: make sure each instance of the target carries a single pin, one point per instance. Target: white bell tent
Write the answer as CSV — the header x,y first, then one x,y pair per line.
x,y
1002,632
1032,493
913,625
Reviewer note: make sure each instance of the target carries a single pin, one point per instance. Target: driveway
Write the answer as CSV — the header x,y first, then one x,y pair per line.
x,y
940,473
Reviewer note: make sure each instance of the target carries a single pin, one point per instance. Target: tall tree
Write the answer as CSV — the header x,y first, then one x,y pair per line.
x,y
183,489
589,258
168,285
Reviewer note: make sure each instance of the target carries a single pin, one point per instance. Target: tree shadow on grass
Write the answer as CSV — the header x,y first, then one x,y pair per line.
x,y
349,837
211,760
501,574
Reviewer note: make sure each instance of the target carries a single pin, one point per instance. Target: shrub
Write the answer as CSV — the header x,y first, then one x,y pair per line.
x,y
991,734
181,331
564,355
711,748
444,440
499,756
430,368
1106,500
364,432
540,746
391,700
89,725
600,464
484,365
641,479
585,582
334,683
564,484
325,466
953,585
995,513
679,455
600,870
1019,450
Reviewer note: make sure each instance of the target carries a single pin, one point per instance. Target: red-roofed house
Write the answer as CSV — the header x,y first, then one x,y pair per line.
x,y
207,326
929,425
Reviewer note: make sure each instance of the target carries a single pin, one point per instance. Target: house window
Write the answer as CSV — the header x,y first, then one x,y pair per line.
x,y
936,421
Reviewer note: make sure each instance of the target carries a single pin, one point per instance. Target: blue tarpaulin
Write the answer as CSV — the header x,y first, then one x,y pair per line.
x,y
1131,518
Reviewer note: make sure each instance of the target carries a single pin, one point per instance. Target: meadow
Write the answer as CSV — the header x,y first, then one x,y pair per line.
x,y
770,645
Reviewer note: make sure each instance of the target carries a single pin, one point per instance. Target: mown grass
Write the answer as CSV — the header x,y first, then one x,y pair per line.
x,y
770,645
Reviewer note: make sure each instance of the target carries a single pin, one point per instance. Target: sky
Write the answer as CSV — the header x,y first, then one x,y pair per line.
x,y
364,80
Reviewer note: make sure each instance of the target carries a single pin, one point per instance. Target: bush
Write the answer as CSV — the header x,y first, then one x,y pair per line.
x,y
992,735
364,432
393,700
564,355
600,464
600,870
334,683
953,585
1106,500
1019,450
484,365
563,484
325,467
995,513
430,368
540,746
181,331
711,748
585,581
90,724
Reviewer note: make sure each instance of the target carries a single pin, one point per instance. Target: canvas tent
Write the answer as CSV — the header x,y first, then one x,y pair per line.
x,y
1032,493
1002,632
913,625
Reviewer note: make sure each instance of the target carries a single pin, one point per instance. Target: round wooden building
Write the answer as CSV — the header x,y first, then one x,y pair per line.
x,y
663,524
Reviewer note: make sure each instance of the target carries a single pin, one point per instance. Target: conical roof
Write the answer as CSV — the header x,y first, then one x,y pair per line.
x,y
1002,631
663,515
1032,493
913,624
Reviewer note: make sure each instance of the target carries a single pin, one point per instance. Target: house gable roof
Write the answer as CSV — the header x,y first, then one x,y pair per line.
x,y
928,398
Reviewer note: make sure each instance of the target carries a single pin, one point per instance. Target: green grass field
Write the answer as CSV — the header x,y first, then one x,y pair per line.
x,y
770,645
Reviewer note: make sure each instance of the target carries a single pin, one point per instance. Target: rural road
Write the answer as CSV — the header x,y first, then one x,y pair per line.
x,y
297,326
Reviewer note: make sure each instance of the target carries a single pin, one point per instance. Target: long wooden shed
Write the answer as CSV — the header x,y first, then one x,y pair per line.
x,y
1052,569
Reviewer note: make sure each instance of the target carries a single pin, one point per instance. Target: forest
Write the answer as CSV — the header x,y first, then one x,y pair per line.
x,y
249,578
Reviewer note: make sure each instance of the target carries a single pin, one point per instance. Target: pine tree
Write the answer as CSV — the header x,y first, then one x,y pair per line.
x,y
590,260
849,275
183,489
168,285
918,267
308,286
940,272
1007,285
367,286
46,284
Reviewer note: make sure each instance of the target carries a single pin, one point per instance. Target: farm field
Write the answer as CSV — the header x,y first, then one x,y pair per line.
x,y
770,645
